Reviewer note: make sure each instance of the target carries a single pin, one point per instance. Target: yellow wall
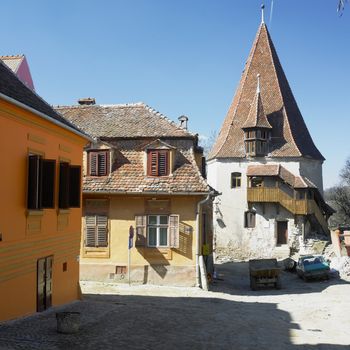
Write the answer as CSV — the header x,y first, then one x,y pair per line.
x,y
27,236
121,212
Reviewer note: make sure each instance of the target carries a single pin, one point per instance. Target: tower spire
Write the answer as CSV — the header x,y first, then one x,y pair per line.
x,y
262,13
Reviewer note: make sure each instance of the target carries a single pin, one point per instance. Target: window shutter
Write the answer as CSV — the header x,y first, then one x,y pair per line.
x,y
152,163
141,226
174,236
163,163
102,163
102,221
74,186
48,183
63,198
34,182
90,231
93,161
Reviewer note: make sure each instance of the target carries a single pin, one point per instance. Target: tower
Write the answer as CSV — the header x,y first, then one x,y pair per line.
x,y
265,164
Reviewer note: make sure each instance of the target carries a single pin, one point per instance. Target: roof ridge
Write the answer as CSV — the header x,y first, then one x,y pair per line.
x,y
163,116
279,87
239,90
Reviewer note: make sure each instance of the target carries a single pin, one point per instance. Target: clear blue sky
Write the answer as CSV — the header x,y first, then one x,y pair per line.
x,y
186,57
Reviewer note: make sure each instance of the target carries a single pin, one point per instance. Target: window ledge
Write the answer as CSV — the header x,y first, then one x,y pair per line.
x,y
35,212
62,211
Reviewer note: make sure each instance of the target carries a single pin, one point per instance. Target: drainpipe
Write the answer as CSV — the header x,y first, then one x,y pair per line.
x,y
198,248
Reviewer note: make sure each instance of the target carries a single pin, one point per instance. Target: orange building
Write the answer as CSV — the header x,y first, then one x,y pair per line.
x,y
40,206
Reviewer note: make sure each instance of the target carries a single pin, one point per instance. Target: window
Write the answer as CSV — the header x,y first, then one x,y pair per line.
x,y
249,219
41,182
158,163
236,180
69,186
96,231
98,163
256,181
157,231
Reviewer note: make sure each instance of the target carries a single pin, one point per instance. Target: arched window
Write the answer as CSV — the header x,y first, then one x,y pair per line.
x,y
236,180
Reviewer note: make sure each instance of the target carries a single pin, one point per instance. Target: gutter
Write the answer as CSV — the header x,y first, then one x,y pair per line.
x,y
147,193
198,248
44,116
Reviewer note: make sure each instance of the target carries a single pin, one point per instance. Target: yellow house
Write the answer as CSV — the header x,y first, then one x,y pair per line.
x,y
142,183
40,208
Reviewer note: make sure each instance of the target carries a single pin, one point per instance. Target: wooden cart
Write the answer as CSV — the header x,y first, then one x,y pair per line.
x,y
264,272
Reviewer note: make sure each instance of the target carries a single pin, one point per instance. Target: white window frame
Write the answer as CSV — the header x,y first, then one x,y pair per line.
x,y
158,225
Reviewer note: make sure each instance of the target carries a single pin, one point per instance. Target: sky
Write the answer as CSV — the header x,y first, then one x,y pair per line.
x,y
186,57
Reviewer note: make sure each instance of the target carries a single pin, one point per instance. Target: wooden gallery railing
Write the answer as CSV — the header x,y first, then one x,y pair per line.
x,y
295,206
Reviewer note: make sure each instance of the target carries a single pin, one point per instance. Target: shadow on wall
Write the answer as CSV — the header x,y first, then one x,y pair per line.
x,y
185,240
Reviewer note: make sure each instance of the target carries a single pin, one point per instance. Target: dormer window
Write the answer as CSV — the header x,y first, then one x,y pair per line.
x,y
98,163
158,162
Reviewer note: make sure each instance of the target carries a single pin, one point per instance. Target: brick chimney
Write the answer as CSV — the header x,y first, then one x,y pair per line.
x,y
87,101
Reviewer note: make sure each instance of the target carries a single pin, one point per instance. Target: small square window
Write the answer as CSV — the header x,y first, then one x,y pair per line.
x,y
236,179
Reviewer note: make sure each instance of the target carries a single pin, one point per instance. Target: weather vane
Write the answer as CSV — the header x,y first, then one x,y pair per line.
x,y
262,13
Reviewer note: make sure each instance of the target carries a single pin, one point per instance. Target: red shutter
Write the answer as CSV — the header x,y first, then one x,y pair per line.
x,y
102,165
163,163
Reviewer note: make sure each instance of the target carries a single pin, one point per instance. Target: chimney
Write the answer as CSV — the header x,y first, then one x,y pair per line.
x,y
183,121
87,101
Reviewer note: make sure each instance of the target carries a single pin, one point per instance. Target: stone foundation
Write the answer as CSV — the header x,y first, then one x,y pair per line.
x,y
180,276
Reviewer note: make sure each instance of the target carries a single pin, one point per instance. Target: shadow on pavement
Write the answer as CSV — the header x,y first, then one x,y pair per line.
x,y
150,322
233,278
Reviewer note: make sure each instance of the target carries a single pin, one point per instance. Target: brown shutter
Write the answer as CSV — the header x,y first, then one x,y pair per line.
x,y
174,236
141,230
63,197
34,182
102,229
93,162
152,163
102,163
163,163
48,183
90,231
74,186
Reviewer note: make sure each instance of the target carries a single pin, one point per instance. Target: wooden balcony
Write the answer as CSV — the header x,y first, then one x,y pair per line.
x,y
295,206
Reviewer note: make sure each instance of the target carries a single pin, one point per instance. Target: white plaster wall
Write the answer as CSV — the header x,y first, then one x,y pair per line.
x,y
230,235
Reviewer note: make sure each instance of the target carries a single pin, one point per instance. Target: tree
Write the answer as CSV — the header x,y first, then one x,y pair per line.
x,y
338,197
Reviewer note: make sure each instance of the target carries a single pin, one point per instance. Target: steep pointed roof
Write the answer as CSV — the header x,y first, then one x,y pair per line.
x,y
290,136
257,117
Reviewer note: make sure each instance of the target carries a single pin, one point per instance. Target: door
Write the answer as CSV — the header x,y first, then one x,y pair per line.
x,y
44,283
282,232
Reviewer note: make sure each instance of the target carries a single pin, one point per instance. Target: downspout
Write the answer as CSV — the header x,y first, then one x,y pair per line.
x,y
198,248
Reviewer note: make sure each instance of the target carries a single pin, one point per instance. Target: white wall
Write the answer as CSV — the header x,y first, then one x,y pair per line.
x,y
230,235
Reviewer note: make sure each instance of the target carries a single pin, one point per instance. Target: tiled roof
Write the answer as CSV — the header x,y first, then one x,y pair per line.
x,y
13,62
290,136
128,174
122,121
13,87
257,116
295,181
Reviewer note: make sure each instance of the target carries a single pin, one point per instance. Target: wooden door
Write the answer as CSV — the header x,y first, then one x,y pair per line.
x,y
44,283
282,232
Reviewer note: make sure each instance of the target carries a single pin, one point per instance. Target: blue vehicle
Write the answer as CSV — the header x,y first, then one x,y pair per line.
x,y
312,267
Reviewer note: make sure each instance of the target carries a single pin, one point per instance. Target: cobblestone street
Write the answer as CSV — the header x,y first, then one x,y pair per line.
x,y
300,316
